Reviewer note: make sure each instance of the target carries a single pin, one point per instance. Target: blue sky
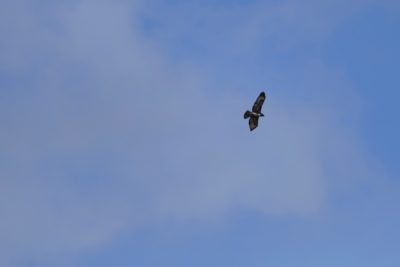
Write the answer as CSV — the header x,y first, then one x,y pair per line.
x,y
123,144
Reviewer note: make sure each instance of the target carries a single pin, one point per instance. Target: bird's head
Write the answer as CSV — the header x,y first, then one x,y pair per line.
x,y
261,115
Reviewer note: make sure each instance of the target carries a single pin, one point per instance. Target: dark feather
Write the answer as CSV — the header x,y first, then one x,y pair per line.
x,y
253,122
259,103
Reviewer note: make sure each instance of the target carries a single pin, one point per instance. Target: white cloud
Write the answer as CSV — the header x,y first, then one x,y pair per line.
x,y
106,134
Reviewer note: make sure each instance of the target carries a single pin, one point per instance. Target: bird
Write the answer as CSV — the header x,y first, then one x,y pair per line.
x,y
255,113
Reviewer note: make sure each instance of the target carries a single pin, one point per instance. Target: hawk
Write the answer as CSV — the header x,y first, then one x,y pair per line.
x,y
255,113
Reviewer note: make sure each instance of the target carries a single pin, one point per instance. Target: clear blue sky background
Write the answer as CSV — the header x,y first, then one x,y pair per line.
x,y
122,141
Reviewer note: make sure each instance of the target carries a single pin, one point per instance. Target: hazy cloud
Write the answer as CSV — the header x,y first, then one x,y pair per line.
x,y
104,132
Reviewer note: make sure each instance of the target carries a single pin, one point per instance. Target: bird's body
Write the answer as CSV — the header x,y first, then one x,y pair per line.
x,y
255,113
251,114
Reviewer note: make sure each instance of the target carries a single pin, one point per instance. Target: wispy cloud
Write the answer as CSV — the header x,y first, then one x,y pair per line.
x,y
103,131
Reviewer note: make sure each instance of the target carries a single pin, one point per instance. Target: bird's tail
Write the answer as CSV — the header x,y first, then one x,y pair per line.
x,y
247,114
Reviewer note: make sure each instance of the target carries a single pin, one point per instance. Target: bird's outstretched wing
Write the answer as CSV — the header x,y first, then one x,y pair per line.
x,y
259,103
253,122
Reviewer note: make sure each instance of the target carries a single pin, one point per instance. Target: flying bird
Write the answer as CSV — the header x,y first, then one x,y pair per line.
x,y
255,113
